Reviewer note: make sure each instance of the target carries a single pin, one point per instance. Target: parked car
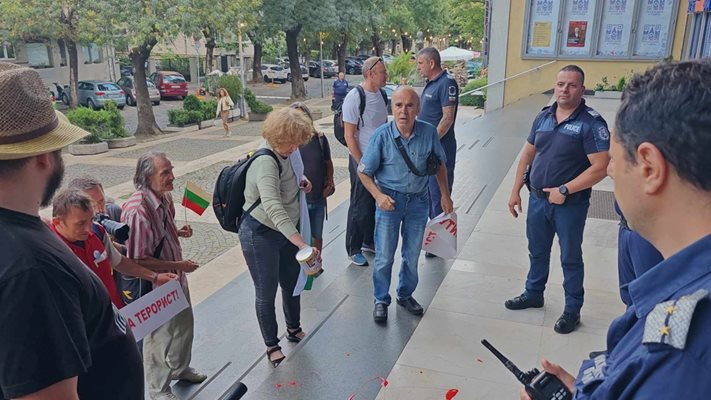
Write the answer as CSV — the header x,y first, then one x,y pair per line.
x,y
304,72
272,72
128,85
126,71
95,94
387,58
328,67
353,67
170,84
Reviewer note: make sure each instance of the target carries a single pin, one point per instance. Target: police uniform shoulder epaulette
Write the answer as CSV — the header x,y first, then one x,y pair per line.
x,y
669,322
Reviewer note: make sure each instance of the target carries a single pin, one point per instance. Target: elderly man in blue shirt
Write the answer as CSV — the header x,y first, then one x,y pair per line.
x,y
395,170
659,348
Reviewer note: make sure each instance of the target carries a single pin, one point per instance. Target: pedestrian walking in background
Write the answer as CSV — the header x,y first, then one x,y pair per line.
x,y
224,105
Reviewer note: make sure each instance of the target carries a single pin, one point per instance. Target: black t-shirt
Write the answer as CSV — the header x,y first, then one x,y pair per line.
x,y
57,320
314,154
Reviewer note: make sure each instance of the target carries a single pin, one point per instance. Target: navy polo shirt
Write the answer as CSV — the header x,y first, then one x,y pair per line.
x,y
340,89
641,361
439,92
562,149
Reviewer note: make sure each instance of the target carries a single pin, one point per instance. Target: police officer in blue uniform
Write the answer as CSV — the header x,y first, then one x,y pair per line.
x,y
659,348
340,90
439,102
635,256
567,151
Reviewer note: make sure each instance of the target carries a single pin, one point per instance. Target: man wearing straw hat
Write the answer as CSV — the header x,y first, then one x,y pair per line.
x,y
60,336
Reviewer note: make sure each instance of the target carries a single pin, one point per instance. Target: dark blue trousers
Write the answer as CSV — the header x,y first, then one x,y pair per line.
x,y
449,143
543,222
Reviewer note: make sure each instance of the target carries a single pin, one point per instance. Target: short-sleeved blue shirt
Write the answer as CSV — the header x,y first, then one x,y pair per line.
x,y
562,149
441,91
643,363
340,89
383,161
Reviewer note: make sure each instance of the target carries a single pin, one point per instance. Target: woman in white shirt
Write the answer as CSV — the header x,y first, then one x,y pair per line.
x,y
224,105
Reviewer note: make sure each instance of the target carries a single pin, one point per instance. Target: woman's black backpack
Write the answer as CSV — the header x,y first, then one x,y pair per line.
x,y
228,197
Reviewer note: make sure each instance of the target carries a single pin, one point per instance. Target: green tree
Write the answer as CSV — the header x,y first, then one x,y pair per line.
x,y
291,16
467,19
73,21
144,23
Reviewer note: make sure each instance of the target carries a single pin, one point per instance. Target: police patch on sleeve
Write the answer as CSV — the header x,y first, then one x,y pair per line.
x,y
603,133
452,92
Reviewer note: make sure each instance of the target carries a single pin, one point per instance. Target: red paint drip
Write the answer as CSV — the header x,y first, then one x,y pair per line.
x,y
385,381
479,359
451,393
278,386
348,354
293,383
352,397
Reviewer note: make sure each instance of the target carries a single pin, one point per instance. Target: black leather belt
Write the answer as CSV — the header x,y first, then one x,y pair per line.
x,y
541,194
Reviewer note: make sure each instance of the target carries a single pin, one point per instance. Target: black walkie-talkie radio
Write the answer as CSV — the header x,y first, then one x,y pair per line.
x,y
538,385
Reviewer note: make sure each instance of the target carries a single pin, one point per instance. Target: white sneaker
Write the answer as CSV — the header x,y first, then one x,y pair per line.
x,y
190,375
165,396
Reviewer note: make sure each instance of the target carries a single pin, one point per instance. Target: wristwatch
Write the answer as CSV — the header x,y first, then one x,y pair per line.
x,y
563,190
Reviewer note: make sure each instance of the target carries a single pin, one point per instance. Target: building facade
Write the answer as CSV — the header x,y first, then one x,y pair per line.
x,y
609,39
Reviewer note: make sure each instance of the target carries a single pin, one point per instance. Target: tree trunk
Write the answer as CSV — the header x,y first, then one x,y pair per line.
x,y
209,50
375,40
298,91
256,61
341,52
406,43
393,44
146,119
73,73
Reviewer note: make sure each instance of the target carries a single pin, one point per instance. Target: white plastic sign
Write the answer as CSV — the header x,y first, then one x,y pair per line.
x,y
440,236
154,309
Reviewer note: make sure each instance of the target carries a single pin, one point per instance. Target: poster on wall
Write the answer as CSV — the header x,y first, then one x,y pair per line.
x,y
577,31
653,28
578,17
543,27
615,28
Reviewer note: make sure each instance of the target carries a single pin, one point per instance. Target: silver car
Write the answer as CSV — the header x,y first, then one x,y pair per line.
x,y
127,83
95,94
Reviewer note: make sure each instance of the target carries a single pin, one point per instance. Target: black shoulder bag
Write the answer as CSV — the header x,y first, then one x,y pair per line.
x,y
432,160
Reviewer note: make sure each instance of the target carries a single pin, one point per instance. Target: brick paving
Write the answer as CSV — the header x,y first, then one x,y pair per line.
x,y
108,175
207,243
183,149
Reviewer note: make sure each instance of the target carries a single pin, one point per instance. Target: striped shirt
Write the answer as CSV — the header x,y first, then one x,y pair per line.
x,y
151,219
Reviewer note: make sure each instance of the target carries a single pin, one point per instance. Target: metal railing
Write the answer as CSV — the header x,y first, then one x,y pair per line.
x,y
479,91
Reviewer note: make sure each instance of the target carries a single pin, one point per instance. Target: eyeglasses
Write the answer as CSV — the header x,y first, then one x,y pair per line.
x,y
375,63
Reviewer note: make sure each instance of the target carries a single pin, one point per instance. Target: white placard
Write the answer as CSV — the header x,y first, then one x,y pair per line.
x,y
154,309
653,28
577,27
440,236
543,27
615,28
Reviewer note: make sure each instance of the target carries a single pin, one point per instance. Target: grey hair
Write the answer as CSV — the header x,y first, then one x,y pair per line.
x,y
369,64
85,182
68,198
431,53
146,168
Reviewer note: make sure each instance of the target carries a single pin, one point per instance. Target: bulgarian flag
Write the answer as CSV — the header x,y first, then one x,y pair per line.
x,y
195,198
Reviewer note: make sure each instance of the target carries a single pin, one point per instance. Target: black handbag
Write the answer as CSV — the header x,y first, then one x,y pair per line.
x,y
432,161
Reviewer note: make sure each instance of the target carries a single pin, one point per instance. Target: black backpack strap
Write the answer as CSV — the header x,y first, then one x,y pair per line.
x,y
385,97
404,155
260,152
361,107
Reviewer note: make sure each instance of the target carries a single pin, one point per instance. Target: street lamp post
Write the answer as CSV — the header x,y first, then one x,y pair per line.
x,y
242,108
320,46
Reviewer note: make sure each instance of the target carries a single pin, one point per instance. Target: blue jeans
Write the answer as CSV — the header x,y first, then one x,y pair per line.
x,y
409,218
449,144
317,213
544,221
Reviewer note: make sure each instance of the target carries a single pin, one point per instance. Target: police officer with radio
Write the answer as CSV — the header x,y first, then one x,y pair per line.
x,y
659,348
567,151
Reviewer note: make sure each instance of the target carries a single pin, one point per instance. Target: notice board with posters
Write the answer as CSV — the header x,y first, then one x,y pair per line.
x,y
578,17
653,28
543,27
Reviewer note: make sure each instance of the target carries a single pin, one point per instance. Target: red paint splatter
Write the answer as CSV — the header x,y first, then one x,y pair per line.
x,y
352,397
278,386
293,383
479,359
348,354
451,393
385,381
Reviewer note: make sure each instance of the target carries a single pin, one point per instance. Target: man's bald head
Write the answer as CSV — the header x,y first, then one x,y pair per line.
x,y
405,93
